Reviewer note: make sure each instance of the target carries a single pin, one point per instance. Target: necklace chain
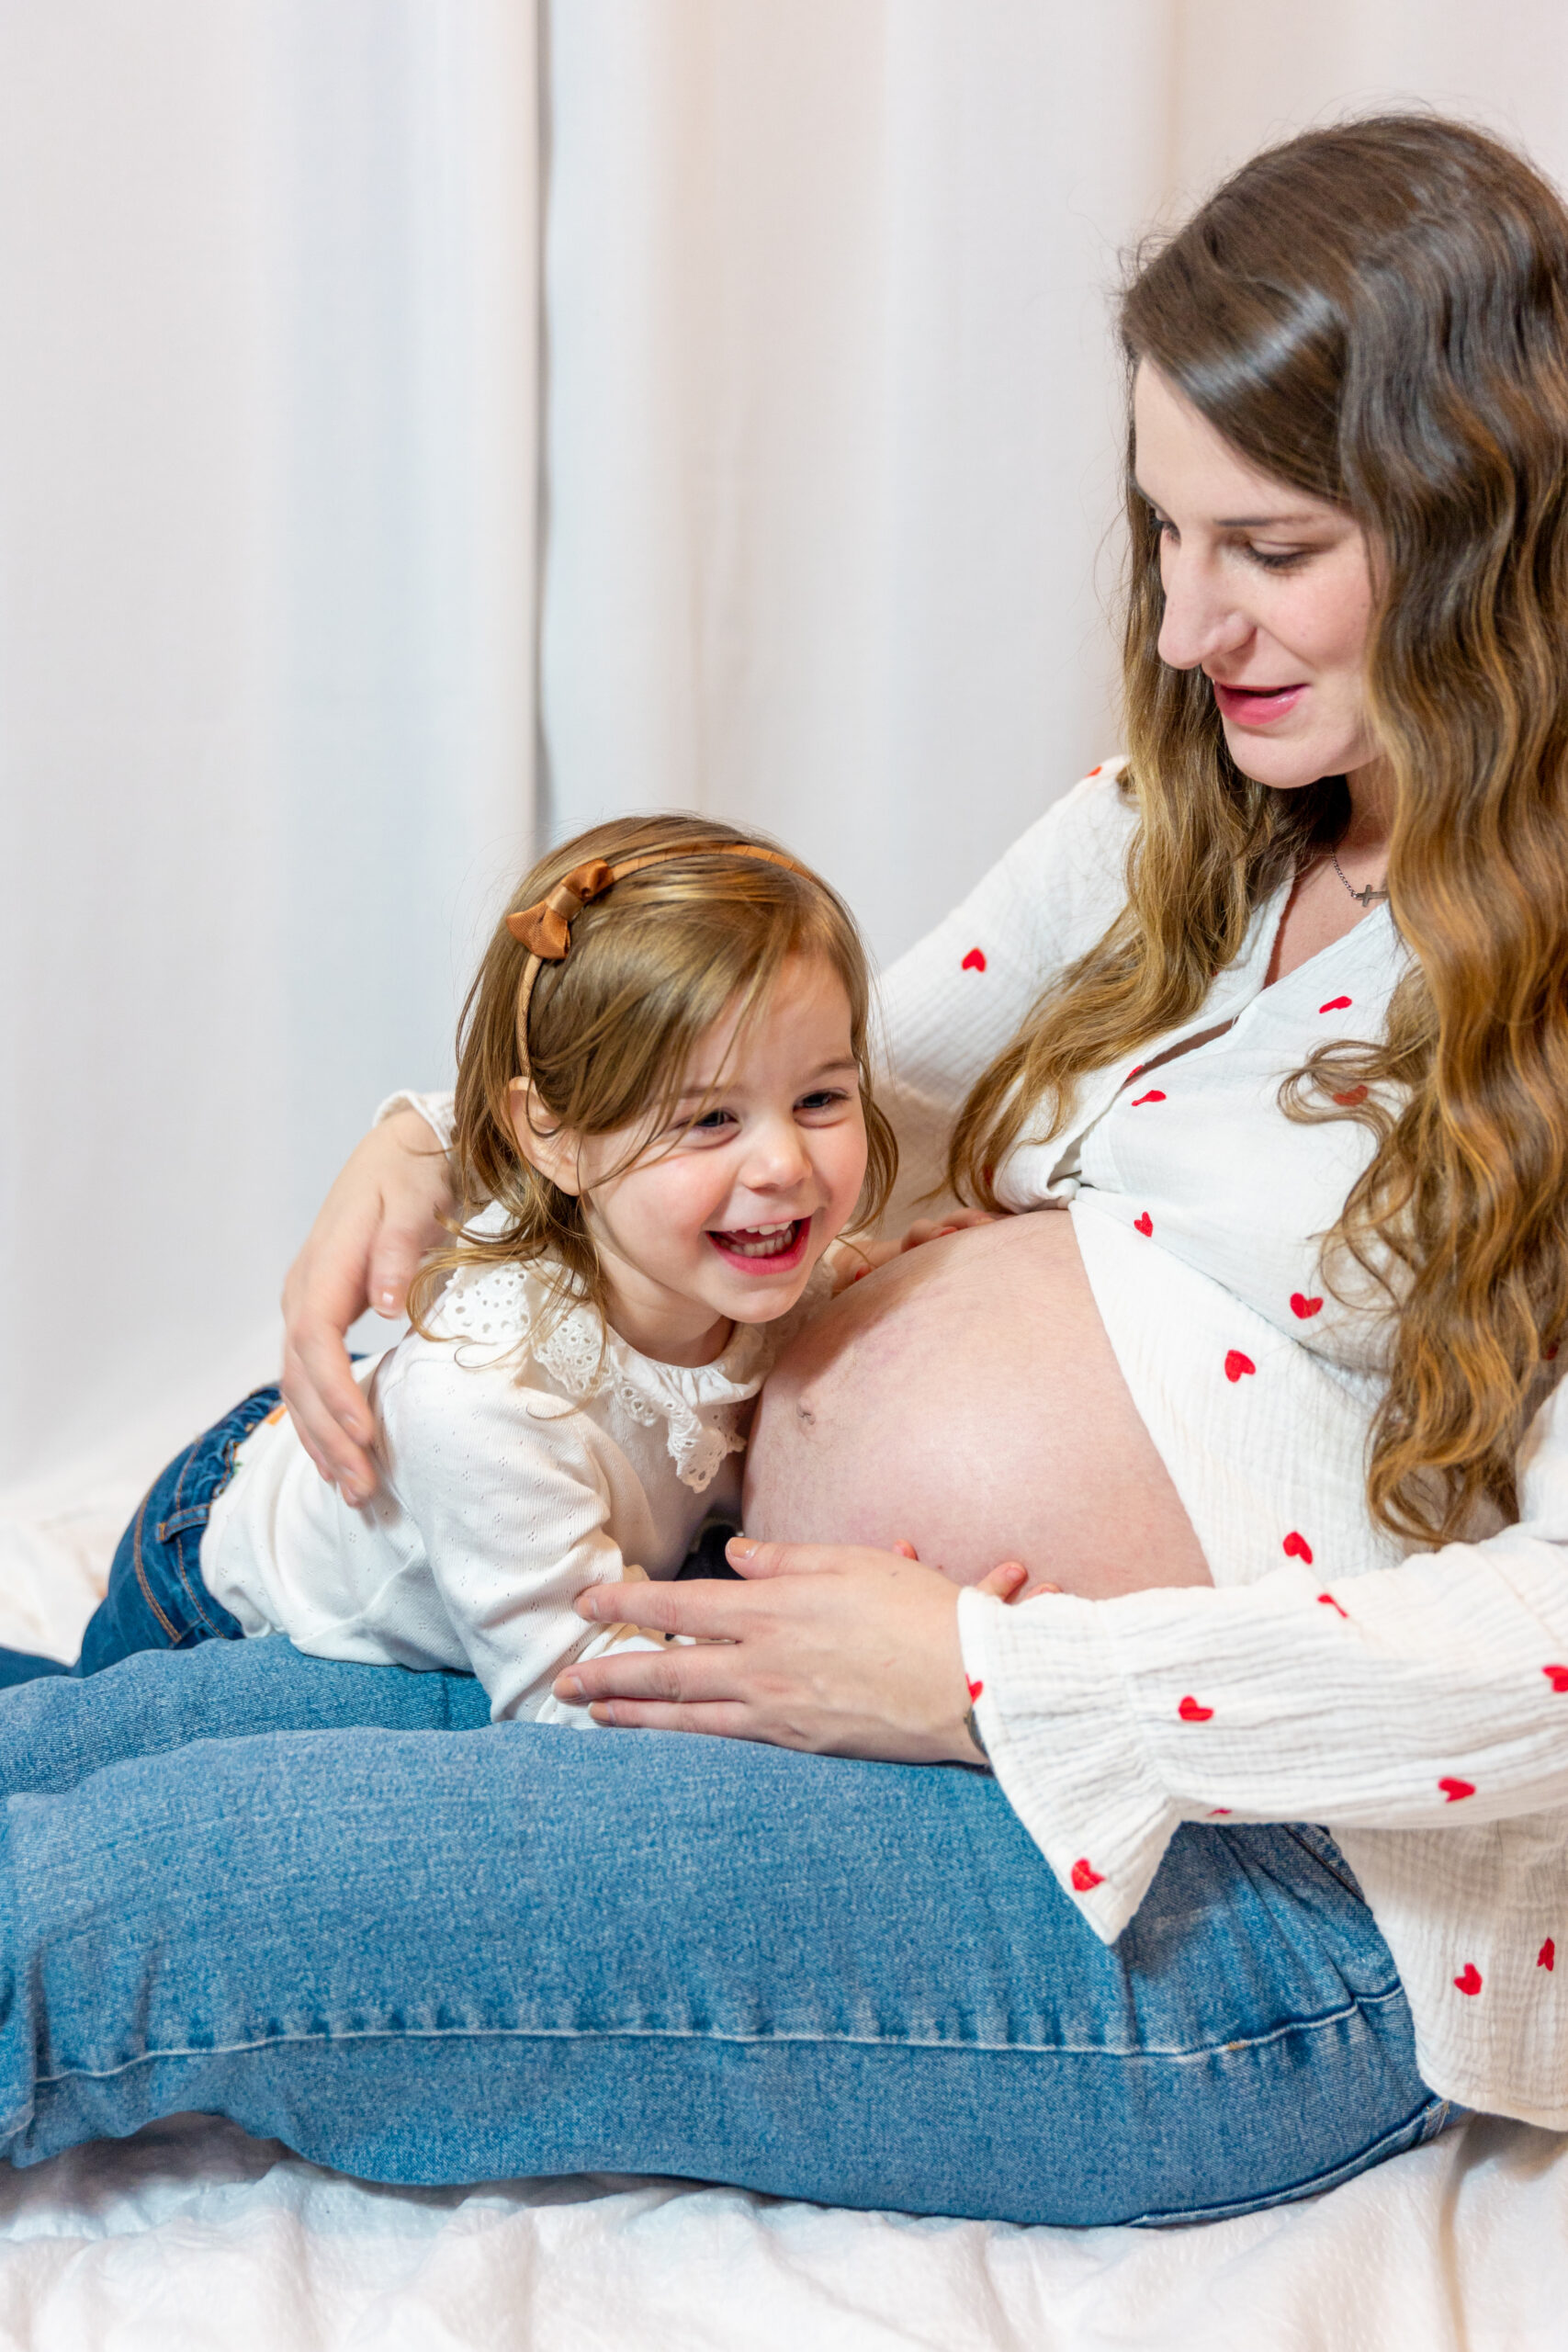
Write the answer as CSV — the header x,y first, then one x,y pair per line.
x,y
1363,897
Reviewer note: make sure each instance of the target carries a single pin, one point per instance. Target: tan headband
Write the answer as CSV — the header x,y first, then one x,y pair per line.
x,y
544,928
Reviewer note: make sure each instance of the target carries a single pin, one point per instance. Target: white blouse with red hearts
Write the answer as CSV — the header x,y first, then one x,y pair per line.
x,y
1420,1712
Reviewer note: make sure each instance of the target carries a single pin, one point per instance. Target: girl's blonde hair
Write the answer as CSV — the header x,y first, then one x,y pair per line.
x,y
1377,314
611,1029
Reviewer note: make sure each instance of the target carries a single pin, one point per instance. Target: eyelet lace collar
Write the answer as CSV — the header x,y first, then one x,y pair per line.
x,y
500,1307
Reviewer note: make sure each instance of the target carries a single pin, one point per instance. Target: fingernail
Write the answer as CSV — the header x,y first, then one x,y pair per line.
x,y
860,1273
570,1687
388,1302
740,1547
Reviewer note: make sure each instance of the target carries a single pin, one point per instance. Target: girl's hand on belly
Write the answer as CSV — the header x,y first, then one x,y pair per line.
x,y
836,1648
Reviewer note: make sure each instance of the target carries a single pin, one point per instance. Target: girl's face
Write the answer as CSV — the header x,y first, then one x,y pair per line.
x,y
1266,590
728,1205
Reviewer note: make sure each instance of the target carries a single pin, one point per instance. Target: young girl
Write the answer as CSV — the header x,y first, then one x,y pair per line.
x,y
663,1118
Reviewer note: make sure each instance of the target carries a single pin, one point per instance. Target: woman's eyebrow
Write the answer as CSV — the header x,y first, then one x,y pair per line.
x,y
1237,521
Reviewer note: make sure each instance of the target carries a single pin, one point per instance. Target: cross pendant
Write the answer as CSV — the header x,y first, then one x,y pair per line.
x,y
1366,897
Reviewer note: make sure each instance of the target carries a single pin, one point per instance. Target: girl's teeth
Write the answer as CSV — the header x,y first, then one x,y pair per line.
x,y
760,1241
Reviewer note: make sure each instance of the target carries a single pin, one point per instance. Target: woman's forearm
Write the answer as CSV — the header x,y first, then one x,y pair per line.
x,y
1426,1696
381,1217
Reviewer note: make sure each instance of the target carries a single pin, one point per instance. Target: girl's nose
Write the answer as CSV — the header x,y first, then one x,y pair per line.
x,y
1199,621
777,1160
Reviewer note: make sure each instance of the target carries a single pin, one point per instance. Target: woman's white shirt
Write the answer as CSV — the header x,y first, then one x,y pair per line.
x,y
1420,1712
521,1462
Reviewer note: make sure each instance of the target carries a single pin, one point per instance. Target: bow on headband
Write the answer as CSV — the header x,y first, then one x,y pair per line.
x,y
544,928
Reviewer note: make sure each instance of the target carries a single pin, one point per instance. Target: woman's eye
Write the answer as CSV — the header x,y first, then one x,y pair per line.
x,y
1278,559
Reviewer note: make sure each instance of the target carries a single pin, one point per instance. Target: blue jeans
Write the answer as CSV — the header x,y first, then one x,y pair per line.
x,y
156,1599
335,1904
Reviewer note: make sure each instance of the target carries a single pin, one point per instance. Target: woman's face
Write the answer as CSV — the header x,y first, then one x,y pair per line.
x,y
1268,592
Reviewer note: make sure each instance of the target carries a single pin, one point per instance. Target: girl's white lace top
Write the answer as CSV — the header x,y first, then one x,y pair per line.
x,y
521,1462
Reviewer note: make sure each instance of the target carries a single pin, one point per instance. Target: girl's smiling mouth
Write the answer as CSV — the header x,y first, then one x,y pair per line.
x,y
764,1249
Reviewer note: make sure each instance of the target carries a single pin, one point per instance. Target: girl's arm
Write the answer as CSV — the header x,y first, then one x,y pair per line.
x,y
514,1516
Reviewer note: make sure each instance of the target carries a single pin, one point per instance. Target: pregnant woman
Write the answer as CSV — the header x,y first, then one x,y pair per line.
x,y
1257,1046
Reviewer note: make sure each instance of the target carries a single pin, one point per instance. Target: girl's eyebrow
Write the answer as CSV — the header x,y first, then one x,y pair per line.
x,y
717,1085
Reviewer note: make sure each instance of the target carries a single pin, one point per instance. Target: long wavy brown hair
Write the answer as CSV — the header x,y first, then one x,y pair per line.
x,y
653,963
1377,314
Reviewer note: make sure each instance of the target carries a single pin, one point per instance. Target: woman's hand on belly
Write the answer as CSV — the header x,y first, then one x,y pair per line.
x,y
836,1648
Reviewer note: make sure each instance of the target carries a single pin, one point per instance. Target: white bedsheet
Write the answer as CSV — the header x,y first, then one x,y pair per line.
x,y
194,2236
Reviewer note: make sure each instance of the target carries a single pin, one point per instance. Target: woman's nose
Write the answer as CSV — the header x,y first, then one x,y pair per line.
x,y
1199,621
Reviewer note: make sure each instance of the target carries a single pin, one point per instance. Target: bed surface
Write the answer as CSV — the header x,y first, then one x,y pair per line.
x,y
193,2234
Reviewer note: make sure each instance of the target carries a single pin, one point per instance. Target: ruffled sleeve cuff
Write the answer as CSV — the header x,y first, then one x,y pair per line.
x,y
1060,1727
435,1110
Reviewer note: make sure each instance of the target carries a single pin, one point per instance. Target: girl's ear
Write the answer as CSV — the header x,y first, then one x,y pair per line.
x,y
544,1143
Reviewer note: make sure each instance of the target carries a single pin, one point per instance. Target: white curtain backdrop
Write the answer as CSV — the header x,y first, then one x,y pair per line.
x,y
268,310
794,313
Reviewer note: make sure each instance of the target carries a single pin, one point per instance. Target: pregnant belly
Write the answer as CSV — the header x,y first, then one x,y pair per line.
x,y
965,1398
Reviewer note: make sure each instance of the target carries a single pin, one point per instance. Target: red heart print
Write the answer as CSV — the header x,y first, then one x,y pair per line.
x,y
1348,1101
1471,1981
1296,1547
1096,771
1085,1876
1558,1678
1302,1308
974,1689
1335,1005
1332,1604
1136,1071
974,961
1237,1365
1144,1223
1192,1713
1455,1790
1219,1812
1547,1956
1154,1095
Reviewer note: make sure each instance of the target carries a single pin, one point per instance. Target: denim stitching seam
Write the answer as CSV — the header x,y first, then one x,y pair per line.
x,y
744,2040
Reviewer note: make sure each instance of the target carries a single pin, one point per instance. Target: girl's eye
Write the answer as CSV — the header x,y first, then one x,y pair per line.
x,y
711,1123
825,1098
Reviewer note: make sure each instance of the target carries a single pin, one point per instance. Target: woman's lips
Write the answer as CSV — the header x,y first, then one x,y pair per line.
x,y
764,1248
1256,706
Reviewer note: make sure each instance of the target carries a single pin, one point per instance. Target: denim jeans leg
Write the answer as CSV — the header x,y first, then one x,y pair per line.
x,y
452,1956
156,1600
